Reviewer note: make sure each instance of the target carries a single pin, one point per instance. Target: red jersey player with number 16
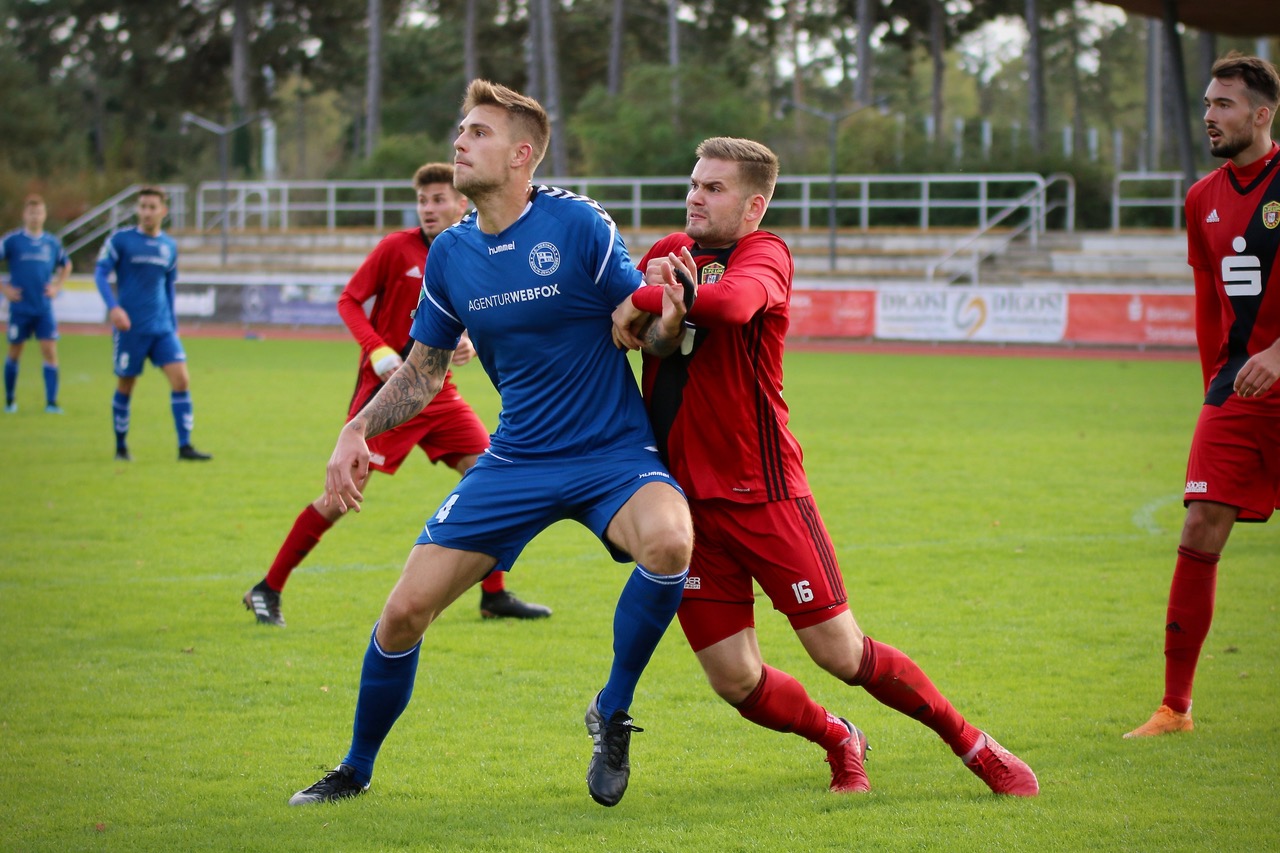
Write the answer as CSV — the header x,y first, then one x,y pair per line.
x,y
447,430
1233,472
714,396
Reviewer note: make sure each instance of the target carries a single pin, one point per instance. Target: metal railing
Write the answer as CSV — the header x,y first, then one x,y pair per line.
x,y
917,200
1157,190
1035,203
116,211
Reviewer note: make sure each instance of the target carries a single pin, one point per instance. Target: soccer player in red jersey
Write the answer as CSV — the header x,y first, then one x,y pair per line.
x,y
447,430
1233,472
721,423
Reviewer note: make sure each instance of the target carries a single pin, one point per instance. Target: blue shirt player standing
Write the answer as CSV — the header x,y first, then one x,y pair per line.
x,y
534,275
37,268
144,261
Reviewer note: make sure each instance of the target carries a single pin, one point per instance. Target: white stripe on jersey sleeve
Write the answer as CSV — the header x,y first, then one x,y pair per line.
x,y
560,192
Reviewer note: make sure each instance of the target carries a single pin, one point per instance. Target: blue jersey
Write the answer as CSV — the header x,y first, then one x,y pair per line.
x,y
146,270
537,301
32,263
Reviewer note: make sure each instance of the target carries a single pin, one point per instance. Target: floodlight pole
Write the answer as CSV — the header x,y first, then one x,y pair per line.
x,y
222,132
833,125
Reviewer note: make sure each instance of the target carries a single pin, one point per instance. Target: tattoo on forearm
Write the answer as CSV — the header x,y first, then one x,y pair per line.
x,y
406,393
655,343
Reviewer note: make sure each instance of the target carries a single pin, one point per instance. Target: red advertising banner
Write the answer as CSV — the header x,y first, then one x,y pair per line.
x,y
833,313
1155,319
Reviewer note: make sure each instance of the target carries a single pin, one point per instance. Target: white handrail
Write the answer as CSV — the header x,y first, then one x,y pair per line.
x,y
1035,203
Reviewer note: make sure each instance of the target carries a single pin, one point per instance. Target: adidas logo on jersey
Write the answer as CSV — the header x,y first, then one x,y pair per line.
x,y
1213,216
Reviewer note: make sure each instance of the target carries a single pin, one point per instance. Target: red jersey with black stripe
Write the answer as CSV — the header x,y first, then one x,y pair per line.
x,y
1233,243
392,277
716,404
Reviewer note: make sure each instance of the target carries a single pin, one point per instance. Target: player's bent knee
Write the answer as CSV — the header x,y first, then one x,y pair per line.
x,y
666,552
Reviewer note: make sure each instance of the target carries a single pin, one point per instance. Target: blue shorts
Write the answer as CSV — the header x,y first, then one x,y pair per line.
x,y
22,326
500,504
130,351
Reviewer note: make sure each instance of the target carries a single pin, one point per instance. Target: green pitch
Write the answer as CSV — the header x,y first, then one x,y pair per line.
x,y
1009,522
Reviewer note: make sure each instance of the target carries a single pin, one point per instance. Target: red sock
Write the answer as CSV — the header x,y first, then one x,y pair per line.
x,y
1191,595
494,582
307,529
895,680
781,703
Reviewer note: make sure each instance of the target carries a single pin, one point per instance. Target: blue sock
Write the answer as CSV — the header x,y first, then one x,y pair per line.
x,y
386,683
51,384
183,416
120,415
10,379
645,608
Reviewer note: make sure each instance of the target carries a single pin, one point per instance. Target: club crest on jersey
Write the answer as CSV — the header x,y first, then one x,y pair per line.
x,y
1271,214
544,259
712,273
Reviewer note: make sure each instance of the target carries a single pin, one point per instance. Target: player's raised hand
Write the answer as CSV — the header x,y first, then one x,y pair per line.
x,y
679,290
348,469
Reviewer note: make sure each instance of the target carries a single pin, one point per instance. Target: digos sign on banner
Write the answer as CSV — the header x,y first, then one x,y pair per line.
x,y
1013,315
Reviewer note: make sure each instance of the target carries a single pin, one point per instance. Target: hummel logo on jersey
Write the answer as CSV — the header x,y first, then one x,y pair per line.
x,y
414,272
1198,487
1213,216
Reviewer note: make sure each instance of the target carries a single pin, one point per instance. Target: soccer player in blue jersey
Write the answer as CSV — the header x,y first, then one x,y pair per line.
x,y
534,275
145,262
37,268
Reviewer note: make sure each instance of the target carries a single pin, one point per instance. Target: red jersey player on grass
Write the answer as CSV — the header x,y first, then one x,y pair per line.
x,y
447,430
1233,472
716,404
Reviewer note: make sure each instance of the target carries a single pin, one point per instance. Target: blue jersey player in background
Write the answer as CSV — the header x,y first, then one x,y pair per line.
x,y
37,268
534,275
144,261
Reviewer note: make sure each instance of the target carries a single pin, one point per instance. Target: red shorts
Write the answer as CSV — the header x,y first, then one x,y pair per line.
x,y
1235,459
783,546
448,428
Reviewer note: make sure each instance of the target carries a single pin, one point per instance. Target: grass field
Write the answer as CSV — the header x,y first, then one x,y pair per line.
x,y
1009,522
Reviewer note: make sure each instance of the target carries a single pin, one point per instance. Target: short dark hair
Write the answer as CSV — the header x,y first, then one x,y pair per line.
x,y
757,164
1259,77
433,173
526,113
155,191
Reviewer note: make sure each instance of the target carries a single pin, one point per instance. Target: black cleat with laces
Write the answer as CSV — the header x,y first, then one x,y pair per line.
x,y
338,784
610,766
265,604
188,453
504,604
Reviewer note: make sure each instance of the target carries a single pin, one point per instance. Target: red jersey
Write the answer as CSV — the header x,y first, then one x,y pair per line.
x,y
1233,243
716,403
392,276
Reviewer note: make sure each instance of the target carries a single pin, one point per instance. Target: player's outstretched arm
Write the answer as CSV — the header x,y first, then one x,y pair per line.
x,y
406,393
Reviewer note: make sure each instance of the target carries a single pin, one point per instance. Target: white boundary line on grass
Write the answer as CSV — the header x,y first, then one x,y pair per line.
x,y
1144,518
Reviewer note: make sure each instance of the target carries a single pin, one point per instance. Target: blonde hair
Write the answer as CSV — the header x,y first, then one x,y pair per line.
x,y
757,165
527,116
